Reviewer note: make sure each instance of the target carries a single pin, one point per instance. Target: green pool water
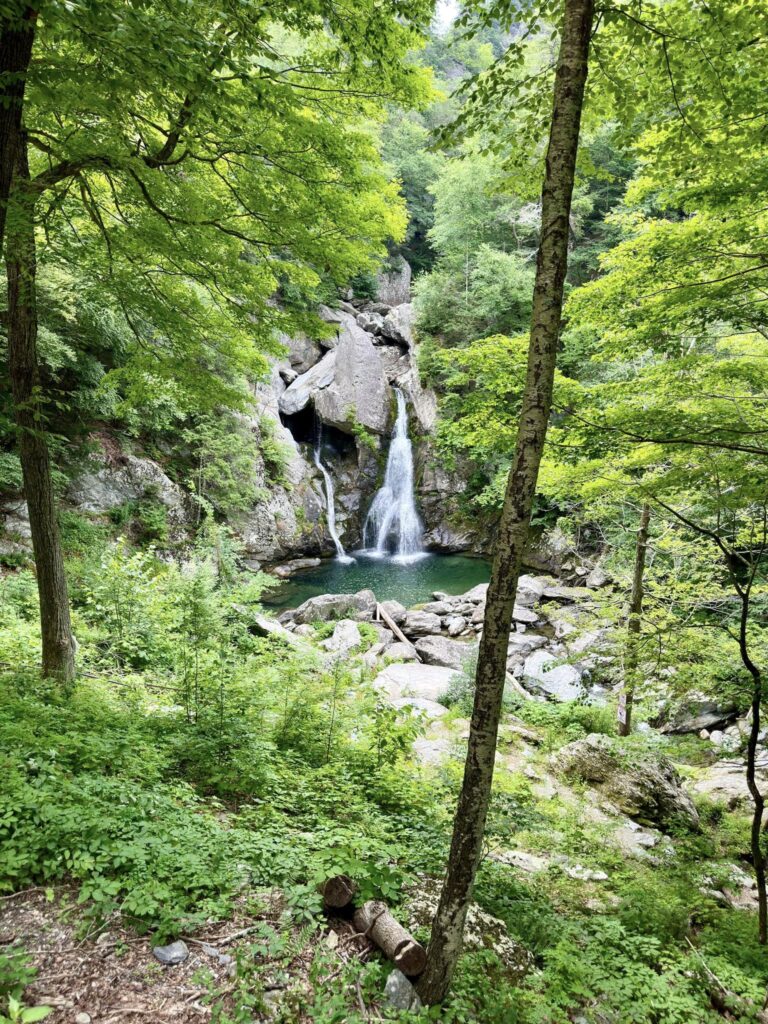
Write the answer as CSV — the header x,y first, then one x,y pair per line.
x,y
410,583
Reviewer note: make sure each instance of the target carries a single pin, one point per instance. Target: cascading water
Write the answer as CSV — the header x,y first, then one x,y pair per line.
x,y
393,524
330,506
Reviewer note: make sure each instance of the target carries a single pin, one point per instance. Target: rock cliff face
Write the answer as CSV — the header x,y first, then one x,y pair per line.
x,y
338,390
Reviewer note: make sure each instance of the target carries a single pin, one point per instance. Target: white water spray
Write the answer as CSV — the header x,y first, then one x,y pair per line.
x,y
393,523
330,507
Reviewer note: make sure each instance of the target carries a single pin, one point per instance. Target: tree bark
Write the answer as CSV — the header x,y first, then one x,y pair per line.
x,y
552,262
17,34
758,800
634,623
58,648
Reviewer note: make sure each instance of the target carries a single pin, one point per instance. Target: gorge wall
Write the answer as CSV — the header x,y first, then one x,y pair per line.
x,y
340,388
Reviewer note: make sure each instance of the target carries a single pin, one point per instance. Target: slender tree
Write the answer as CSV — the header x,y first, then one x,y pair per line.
x,y
551,266
17,34
58,645
634,623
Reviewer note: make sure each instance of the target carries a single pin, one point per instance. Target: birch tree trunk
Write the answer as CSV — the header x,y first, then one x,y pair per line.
x,y
58,647
634,623
469,823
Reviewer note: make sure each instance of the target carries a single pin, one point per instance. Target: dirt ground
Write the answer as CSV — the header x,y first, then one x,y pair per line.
x,y
110,975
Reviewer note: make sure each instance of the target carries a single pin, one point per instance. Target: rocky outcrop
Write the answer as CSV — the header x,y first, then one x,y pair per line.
x,y
360,606
482,931
111,484
699,712
393,286
647,789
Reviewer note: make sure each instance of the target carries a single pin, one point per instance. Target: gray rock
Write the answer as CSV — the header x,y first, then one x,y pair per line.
x,y
481,931
401,652
597,578
523,643
129,478
421,624
646,786
288,374
396,611
432,750
699,712
345,638
382,308
437,608
263,625
370,322
421,706
542,673
360,606
399,993
439,650
456,624
297,396
171,955
477,594
393,286
287,569
525,615
358,392
303,352
478,615
414,680
726,782
398,325
16,520
567,595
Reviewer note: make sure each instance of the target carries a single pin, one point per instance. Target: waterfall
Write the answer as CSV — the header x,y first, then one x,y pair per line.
x,y
393,523
341,554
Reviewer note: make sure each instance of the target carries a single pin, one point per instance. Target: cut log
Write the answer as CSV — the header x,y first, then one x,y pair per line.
x,y
398,945
338,892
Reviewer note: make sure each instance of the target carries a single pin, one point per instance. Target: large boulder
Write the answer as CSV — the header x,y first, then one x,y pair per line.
x,y
421,624
345,638
360,606
699,712
726,782
439,650
308,385
645,786
393,285
396,611
427,682
303,352
359,392
397,325
482,931
125,478
544,674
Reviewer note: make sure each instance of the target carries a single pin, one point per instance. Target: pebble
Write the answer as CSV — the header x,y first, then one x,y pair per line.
x,y
175,953
83,1018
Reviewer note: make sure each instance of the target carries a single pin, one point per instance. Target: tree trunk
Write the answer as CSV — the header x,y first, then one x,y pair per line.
x,y
17,34
634,624
58,643
758,800
469,823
